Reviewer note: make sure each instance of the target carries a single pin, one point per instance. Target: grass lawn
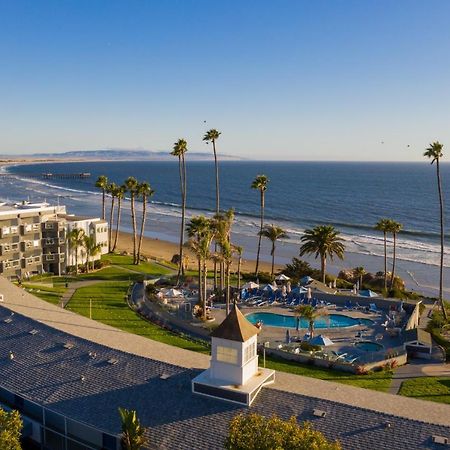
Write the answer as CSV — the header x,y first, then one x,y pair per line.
x,y
435,389
149,268
109,306
49,294
378,381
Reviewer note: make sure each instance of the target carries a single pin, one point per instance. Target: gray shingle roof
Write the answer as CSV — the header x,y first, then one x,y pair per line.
x,y
235,327
46,372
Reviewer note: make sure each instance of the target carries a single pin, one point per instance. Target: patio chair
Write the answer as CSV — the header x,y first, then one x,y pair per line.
x,y
373,308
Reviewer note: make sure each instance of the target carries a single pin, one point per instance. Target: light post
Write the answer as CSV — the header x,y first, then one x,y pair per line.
x,y
90,308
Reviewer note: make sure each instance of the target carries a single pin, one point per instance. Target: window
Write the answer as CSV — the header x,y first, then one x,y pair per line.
x,y
226,354
5,231
249,352
15,246
14,229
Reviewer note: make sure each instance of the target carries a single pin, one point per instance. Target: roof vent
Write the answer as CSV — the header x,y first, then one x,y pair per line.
x,y
113,361
319,413
439,440
11,355
82,377
8,320
164,376
68,345
34,331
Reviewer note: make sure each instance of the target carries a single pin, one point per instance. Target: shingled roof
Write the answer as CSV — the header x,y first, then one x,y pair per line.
x,y
235,327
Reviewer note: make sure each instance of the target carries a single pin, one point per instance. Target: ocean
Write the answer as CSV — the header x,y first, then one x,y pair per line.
x,y
350,196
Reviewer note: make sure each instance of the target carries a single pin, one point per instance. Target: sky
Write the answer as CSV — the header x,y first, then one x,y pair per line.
x,y
281,79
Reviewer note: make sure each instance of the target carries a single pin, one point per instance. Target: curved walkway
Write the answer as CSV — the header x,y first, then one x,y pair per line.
x,y
16,299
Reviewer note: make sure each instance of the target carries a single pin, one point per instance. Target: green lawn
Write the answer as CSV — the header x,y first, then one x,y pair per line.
x,y
378,381
435,389
149,268
49,294
109,306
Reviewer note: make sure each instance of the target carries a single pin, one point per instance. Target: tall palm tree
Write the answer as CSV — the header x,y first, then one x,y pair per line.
x,y
120,195
102,183
179,150
239,250
131,185
75,238
310,313
359,272
273,233
434,152
132,431
112,191
260,183
144,191
383,226
212,136
92,250
323,241
394,228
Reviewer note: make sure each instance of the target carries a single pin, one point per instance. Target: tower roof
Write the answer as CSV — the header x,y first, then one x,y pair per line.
x,y
235,327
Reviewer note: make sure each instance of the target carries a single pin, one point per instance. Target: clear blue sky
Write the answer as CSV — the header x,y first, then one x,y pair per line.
x,y
282,79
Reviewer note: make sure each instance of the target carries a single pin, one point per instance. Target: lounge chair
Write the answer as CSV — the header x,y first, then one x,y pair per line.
x,y
351,359
373,308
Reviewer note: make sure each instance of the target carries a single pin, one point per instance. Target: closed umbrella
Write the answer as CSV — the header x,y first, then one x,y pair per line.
x,y
288,287
309,294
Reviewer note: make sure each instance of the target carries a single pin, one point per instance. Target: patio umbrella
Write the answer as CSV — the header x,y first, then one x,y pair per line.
x,y
288,287
368,293
282,277
288,336
306,280
250,285
321,340
309,294
173,293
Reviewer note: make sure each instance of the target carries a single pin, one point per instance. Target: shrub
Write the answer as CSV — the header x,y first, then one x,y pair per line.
x,y
307,347
10,430
256,432
361,370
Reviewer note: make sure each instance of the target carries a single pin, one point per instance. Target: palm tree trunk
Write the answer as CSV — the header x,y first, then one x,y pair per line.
x,y
76,259
228,288
311,329
222,278
217,207
205,290
103,204
116,237
323,267
385,262
133,220
441,214
183,206
393,260
111,216
260,235
239,275
273,259
141,235
200,281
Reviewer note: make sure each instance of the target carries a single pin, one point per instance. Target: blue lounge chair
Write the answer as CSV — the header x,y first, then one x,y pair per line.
x,y
373,308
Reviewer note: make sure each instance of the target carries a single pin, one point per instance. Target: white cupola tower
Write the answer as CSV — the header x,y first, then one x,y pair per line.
x,y
234,374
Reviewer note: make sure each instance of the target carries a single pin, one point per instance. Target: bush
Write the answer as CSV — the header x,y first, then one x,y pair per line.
x,y
256,432
10,430
307,347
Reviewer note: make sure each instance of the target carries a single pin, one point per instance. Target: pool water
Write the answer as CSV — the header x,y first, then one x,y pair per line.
x,y
368,346
329,321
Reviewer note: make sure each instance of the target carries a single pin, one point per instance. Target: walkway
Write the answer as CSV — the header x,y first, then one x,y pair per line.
x,y
18,300
68,294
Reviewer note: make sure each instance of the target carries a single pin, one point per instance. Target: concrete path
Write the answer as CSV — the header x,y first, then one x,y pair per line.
x,y
18,300
73,286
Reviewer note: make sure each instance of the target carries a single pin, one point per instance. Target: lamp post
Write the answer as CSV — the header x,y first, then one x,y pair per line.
x,y
90,308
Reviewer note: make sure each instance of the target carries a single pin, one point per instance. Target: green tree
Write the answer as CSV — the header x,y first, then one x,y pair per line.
x,y
323,241
75,239
10,430
260,183
359,272
143,191
132,185
383,226
102,184
92,250
120,195
434,152
394,228
273,233
112,191
132,431
179,150
310,313
297,269
256,432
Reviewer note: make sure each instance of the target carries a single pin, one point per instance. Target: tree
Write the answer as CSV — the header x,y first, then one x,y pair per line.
x,y
310,313
179,150
132,431
212,136
256,432
359,272
111,190
75,238
92,250
239,250
394,228
10,430
273,233
144,191
120,195
102,183
434,152
298,269
131,185
323,241
260,183
383,226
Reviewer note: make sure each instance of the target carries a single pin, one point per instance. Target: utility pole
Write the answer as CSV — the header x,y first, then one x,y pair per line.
x,y
90,308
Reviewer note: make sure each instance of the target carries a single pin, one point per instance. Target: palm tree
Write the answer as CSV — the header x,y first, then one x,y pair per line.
x,y
323,241
260,183
239,250
144,191
394,228
75,238
212,136
273,233
111,190
92,250
359,272
179,150
131,185
102,183
383,225
310,313
120,195
434,152
132,431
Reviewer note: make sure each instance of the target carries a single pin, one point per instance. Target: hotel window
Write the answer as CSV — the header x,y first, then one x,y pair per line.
x,y
5,231
15,246
16,263
249,352
225,354
14,229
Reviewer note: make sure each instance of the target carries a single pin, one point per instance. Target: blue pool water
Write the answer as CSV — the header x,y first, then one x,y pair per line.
x,y
330,321
368,346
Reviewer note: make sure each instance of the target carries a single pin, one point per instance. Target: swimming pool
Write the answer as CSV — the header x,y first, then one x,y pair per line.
x,y
369,346
282,321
